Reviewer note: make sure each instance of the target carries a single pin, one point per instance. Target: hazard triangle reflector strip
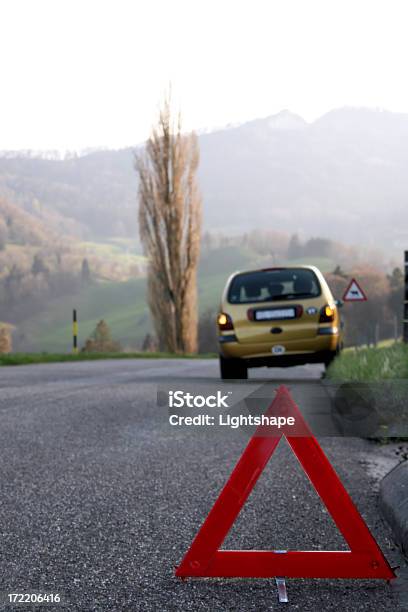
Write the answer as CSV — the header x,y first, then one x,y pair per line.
x,y
205,559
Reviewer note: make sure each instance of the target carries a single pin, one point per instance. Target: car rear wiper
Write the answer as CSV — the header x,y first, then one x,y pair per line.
x,y
293,296
277,298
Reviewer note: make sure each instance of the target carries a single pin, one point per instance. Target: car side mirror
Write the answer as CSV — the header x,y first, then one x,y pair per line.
x,y
339,303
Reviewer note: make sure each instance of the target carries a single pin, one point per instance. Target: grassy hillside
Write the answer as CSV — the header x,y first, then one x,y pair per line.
x,y
122,305
325,264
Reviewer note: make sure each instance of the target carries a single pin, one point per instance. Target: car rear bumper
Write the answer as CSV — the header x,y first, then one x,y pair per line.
x,y
310,350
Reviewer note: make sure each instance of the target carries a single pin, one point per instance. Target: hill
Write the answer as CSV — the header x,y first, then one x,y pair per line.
x,y
21,228
343,177
123,304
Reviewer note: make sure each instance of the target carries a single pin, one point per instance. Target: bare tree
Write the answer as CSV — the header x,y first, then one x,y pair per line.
x,y
169,227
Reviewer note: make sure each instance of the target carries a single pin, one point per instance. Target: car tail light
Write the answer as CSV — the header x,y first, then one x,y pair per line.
x,y
327,314
224,322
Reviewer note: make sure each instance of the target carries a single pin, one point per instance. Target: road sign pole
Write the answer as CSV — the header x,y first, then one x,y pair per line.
x,y
74,332
405,319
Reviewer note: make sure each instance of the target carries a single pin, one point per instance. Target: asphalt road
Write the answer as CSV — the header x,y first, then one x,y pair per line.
x,y
100,497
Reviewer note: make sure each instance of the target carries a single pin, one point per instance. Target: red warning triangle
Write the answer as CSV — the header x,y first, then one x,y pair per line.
x,y
205,559
354,292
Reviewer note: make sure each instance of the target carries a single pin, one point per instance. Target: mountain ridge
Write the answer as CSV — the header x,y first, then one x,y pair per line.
x,y
342,176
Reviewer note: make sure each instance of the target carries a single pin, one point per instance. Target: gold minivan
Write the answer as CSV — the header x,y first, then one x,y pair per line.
x,y
279,316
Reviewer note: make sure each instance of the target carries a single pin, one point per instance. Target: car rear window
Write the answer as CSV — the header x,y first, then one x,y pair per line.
x,y
273,285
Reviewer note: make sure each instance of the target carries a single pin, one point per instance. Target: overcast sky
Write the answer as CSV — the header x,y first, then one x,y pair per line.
x,y
90,73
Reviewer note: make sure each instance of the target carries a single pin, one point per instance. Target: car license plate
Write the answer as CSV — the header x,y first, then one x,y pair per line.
x,y
275,313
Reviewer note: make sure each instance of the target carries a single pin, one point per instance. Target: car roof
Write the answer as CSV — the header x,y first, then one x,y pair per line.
x,y
270,268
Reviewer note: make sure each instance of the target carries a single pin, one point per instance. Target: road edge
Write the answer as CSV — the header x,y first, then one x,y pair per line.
x,y
393,501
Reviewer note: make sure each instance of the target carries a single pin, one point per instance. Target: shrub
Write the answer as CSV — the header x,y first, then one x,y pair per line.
x,y
5,340
101,341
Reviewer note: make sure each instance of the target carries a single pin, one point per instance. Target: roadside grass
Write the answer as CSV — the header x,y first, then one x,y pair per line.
x,y
384,362
372,391
32,358
381,344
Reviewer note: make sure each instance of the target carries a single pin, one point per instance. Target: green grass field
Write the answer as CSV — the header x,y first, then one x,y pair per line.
x,y
118,249
325,264
123,304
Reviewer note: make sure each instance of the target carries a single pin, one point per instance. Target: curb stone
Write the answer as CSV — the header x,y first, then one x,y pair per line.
x,y
394,503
